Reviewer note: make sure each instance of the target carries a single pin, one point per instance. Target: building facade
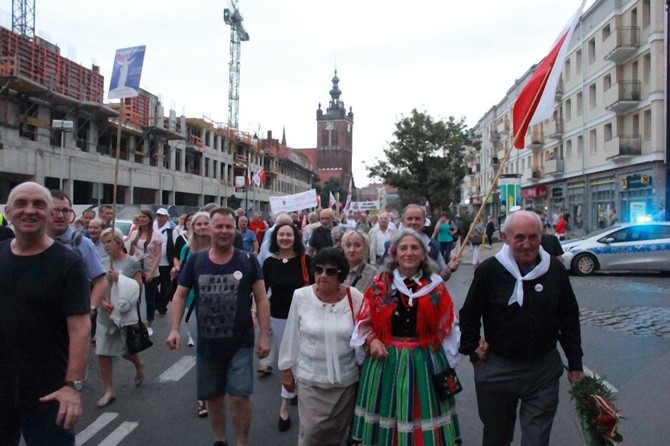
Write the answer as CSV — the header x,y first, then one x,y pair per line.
x,y
56,130
604,148
334,139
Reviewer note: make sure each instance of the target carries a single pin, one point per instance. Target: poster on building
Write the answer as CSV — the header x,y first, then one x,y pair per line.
x,y
637,209
126,74
292,203
510,195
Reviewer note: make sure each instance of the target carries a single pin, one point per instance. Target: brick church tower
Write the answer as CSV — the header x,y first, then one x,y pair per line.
x,y
334,138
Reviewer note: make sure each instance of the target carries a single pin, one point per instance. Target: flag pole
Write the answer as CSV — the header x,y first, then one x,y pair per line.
x,y
116,162
508,151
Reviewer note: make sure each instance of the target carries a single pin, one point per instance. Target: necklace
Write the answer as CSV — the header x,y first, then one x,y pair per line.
x,y
327,300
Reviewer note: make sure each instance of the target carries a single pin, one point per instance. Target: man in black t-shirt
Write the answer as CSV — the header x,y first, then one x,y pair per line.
x,y
44,327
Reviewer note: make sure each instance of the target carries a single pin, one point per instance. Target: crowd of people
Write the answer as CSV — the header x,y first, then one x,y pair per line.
x,y
354,311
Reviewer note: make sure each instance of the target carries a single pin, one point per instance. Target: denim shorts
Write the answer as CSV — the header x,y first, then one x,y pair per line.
x,y
233,376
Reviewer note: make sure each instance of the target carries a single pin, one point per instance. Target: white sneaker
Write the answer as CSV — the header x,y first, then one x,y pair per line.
x,y
190,341
151,331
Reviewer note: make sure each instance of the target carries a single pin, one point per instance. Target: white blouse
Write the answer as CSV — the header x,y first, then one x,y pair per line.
x,y
316,340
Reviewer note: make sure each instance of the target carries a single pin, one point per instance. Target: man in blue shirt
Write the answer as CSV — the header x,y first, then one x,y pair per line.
x,y
249,241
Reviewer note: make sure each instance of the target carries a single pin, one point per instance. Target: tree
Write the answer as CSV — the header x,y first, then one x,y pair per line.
x,y
332,185
426,159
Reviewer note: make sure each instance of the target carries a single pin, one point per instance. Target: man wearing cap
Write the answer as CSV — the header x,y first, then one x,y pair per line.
x,y
524,298
167,258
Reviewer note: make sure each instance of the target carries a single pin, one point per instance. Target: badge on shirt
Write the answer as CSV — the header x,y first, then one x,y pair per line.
x,y
237,275
539,287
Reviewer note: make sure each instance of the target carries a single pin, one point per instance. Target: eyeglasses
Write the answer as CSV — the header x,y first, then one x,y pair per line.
x,y
329,271
64,211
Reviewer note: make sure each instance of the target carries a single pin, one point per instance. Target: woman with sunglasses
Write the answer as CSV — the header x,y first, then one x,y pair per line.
x,y
286,270
356,245
145,246
110,341
406,322
315,351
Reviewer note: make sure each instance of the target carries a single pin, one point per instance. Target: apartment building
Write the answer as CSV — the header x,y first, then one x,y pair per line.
x,y
604,148
56,130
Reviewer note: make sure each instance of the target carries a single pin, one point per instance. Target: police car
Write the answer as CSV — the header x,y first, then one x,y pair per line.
x,y
622,247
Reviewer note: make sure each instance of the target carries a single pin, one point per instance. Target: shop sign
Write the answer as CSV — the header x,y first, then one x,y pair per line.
x,y
534,192
635,181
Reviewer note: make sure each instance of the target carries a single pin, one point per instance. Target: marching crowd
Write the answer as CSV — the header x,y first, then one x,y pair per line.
x,y
353,310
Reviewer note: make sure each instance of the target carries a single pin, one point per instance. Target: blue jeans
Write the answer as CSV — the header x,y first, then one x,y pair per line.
x,y
38,425
225,376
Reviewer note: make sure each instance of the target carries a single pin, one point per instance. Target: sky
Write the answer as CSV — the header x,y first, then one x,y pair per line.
x,y
441,57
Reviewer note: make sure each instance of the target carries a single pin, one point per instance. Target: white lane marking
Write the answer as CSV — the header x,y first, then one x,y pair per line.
x,y
590,372
119,434
95,427
178,369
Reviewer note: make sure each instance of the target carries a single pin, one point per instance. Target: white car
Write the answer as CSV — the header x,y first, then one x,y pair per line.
x,y
623,247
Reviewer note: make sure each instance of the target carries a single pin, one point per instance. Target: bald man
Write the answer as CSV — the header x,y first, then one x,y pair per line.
x,y
44,348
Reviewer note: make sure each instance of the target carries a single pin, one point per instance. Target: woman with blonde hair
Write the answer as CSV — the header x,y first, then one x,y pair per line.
x,y
356,246
110,340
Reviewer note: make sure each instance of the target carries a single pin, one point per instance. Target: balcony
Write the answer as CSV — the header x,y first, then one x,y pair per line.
x,y
623,147
622,96
554,129
272,172
536,138
558,96
621,44
240,161
554,167
494,137
495,163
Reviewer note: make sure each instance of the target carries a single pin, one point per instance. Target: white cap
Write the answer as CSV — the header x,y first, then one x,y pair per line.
x,y
162,211
514,209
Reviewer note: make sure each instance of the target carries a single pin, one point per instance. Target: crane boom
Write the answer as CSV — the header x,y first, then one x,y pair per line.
x,y
233,18
23,17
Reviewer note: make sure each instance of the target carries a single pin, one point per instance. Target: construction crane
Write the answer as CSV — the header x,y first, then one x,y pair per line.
x,y
23,17
233,18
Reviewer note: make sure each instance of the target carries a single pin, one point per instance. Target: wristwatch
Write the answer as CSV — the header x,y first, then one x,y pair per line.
x,y
76,385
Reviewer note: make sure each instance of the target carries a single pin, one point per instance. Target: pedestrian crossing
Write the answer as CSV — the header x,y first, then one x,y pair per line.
x,y
114,438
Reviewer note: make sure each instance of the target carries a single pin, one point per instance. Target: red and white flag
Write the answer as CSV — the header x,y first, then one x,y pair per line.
x,y
259,177
331,200
537,98
347,204
318,200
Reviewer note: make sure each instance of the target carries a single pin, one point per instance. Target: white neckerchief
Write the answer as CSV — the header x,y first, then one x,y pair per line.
x,y
506,259
398,282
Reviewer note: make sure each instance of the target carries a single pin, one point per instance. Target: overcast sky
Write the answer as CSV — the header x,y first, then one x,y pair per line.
x,y
446,58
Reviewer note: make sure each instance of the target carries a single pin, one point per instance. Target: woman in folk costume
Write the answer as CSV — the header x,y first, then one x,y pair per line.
x,y
408,327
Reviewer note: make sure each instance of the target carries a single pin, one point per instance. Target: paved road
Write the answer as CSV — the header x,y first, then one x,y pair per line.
x,y
626,332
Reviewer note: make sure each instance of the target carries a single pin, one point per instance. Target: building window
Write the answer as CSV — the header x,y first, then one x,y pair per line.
x,y
647,125
568,109
646,14
608,132
607,31
592,51
566,70
593,144
580,103
646,68
580,146
578,61
592,96
607,82
568,149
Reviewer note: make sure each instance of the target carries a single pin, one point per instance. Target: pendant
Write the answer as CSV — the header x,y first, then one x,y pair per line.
x,y
284,260
397,313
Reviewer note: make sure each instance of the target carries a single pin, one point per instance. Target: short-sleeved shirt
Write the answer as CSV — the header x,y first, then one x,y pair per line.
x,y
223,301
88,253
147,257
39,293
248,240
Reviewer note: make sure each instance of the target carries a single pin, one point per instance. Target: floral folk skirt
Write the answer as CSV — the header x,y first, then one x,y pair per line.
x,y
396,402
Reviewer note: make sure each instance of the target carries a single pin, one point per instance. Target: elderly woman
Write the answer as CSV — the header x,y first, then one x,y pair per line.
x,y
336,233
145,246
356,245
286,270
406,322
315,351
110,341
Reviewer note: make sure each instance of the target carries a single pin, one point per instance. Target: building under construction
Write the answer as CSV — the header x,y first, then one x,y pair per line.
x,y
56,130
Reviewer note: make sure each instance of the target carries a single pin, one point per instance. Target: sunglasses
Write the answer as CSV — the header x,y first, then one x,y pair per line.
x,y
329,271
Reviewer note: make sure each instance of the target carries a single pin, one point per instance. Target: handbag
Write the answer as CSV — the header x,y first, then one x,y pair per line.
x,y
476,238
137,335
446,384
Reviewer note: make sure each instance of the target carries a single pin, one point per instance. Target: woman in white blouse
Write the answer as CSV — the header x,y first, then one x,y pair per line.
x,y
315,351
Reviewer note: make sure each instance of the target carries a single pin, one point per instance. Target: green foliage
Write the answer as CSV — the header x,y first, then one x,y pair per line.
x,y
332,185
426,159
595,421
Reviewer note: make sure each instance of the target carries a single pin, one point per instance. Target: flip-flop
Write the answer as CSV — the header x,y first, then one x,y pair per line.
x,y
202,409
264,371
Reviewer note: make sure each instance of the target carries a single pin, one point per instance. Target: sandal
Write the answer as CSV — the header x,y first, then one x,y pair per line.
x,y
264,371
202,409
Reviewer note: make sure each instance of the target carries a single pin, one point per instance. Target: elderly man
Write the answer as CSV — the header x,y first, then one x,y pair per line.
x,y
321,237
249,242
107,214
526,302
413,217
44,347
380,235
95,227
168,254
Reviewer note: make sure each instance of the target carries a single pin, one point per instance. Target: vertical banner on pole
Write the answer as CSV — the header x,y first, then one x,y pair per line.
x,y
126,74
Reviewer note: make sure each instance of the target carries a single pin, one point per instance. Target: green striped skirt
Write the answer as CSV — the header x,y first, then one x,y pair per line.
x,y
396,402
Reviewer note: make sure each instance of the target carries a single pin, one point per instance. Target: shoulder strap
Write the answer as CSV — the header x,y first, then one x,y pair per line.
x,y
305,274
75,241
351,305
198,258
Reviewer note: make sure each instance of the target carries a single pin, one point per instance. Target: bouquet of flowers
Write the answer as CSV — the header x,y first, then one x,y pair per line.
x,y
597,415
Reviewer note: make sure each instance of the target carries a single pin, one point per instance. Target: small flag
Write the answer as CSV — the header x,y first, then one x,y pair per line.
x,y
347,205
259,177
331,200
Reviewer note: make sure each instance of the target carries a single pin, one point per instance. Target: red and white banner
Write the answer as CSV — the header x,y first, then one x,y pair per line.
x,y
347,204
259,178
331,200
536,101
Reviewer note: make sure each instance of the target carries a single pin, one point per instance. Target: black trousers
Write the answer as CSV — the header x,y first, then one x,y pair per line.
x,y
163,288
